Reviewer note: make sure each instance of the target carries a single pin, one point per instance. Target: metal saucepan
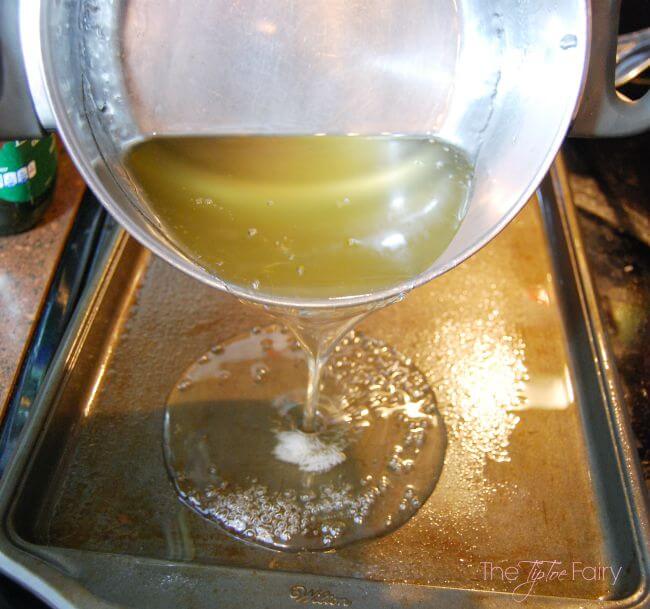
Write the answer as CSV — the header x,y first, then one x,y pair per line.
x,y
500,78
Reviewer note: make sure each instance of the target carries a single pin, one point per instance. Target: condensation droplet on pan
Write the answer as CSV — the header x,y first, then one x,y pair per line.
x,y
569,41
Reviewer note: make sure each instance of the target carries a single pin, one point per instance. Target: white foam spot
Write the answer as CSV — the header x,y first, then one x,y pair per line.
x,y
394,241
306,451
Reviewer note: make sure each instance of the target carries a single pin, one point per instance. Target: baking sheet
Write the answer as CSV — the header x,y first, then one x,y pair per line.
x,y
504,349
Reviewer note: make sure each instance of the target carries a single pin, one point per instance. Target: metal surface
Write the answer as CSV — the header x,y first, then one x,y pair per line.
x,y
473,72
632,56
603,111
611,188
538,467
59,305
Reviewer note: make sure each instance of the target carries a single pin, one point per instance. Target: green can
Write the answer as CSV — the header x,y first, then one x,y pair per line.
x,y
27,177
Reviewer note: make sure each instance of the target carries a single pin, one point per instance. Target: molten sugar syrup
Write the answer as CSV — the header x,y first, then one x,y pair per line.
x,y
304,434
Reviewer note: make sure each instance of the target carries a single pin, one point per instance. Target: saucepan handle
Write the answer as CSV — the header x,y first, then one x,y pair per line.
x,y
24,106
603,112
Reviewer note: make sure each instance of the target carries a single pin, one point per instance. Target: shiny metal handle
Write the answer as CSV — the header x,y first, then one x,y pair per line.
x,y
603,111
24,106
632,56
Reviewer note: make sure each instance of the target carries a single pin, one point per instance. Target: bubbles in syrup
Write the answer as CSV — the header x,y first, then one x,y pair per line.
x,y
237,455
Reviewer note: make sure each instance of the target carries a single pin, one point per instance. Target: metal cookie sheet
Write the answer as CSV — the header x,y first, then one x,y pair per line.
x,y
539,500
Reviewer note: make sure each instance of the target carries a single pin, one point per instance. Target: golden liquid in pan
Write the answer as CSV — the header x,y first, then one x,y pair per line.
x,y
305,217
